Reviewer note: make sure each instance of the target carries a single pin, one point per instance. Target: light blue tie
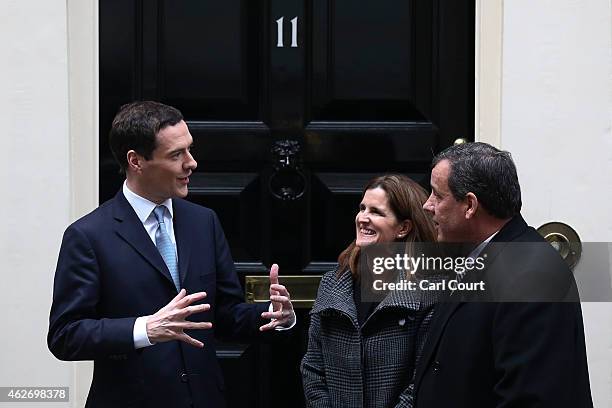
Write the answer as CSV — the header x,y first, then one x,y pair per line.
x,y
165,246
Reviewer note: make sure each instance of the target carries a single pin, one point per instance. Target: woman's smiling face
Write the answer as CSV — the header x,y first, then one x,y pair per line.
x,y
375,222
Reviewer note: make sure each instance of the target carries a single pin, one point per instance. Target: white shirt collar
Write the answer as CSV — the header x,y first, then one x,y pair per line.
x,y
476,251
141,205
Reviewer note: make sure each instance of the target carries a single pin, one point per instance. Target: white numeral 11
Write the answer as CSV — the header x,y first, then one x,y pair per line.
x,y
279,32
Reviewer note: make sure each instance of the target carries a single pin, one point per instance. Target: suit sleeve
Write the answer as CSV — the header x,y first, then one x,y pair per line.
x,y
530,342
234,318
313,368
76,332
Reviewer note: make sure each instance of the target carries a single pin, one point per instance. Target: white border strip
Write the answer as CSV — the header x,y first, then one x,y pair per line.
x,y
488,69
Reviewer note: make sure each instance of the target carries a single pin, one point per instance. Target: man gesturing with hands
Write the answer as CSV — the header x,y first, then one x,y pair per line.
x,y
144,281
169,323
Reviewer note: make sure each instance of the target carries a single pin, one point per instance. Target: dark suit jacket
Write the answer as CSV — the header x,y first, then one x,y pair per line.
x,y
109,272
503,354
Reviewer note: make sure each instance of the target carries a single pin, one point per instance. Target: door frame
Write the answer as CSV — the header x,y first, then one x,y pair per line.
x,y
83,79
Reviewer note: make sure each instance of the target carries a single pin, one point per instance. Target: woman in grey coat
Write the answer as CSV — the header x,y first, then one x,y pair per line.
x,y
363,354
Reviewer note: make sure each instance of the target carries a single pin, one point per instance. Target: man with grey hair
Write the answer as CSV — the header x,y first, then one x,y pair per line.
x,y
499,352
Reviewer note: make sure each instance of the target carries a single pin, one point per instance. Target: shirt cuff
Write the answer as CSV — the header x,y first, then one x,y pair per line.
x,y
292,321
140,333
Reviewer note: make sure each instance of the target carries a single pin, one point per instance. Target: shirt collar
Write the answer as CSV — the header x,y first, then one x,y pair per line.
x,y
474,254
141,205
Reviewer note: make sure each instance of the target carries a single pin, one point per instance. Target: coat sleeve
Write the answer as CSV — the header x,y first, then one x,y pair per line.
x,y
313,368
234,318
76,332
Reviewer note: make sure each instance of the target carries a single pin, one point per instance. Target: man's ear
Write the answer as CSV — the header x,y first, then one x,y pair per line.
x,y
472,205
134,161
406,227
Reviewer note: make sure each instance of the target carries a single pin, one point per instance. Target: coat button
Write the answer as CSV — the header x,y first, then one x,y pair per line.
x,y
436,366
184,377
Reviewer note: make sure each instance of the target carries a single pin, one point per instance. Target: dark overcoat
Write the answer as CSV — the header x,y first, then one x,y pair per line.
x,y
498,353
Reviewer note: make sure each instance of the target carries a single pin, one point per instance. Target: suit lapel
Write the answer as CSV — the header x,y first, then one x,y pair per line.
x,y
130,229
183,237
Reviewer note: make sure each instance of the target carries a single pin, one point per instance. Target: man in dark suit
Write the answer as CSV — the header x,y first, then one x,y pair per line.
x,y
512,346
133,274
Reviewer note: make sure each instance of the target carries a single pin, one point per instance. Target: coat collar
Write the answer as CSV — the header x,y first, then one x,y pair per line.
x,y
339,296
511,230
514,228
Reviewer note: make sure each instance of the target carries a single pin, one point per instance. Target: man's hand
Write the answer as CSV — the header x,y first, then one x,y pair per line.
x,y
282,314
169,322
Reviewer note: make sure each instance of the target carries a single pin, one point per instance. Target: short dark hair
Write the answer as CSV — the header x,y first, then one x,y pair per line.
x,y
135,127
488,173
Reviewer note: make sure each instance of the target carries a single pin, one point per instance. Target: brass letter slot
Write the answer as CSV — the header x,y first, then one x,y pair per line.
x,y
303,289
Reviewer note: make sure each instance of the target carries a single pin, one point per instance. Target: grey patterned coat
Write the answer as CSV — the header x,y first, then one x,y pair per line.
x,y
369,366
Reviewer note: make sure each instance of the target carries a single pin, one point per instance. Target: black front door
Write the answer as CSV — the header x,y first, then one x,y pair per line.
x,y
293,106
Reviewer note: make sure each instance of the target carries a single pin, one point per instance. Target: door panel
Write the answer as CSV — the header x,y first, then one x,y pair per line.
x,y
362,60
209,58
